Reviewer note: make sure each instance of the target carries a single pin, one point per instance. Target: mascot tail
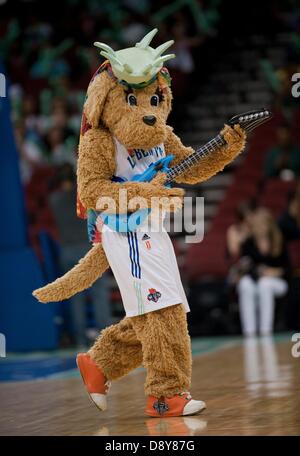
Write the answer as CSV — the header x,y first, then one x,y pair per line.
x,y
82,276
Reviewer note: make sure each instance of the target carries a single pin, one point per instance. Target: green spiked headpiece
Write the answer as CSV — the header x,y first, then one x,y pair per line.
x,y
139,65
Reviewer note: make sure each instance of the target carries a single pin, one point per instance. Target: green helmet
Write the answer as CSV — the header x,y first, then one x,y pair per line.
x,y
138,64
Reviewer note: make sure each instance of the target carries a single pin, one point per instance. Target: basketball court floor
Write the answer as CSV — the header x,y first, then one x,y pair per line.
x,y
251,387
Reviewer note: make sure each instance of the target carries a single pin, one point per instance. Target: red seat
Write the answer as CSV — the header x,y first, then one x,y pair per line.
x,y
248,174
278,186
208,257
294,253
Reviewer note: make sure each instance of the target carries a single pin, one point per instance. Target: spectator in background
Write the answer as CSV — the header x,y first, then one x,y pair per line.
x,y
74,245
241,230
31,155
289,221
133,28
60,150
183,65
283,160
264,268
31,117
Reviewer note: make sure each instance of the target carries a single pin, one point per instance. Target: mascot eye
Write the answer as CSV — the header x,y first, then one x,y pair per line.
x,y
131,99
154,100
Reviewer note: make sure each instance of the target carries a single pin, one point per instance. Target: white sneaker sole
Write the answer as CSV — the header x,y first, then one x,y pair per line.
x,y
99,400
193,407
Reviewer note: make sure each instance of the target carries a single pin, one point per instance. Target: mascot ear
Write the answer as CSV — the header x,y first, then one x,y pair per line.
x,y
96,97
168,97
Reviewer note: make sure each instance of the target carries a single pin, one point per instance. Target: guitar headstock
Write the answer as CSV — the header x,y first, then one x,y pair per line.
x,y
251,119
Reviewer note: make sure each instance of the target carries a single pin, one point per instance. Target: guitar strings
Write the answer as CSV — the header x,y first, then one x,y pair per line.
x,y
211,146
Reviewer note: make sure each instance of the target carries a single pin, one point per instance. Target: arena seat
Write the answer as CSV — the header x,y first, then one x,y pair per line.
x,y
248,174
275,195
294,253
279,187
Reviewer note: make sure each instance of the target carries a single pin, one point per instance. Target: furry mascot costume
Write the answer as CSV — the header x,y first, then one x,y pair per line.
x,y
123,131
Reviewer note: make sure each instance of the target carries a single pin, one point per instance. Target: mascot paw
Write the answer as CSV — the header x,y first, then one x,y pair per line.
x,y
171,199
159,179
235,138
147,193
171,204
159,188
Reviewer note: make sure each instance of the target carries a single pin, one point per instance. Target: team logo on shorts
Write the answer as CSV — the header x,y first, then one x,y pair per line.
x,y
153,295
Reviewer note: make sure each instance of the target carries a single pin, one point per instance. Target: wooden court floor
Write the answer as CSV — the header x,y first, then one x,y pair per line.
x,y
251,388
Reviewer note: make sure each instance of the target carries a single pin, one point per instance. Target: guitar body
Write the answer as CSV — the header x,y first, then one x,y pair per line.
x,y
124,223
161,165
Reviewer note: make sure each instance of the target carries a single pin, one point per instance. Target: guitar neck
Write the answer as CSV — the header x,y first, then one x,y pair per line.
x,y
194,158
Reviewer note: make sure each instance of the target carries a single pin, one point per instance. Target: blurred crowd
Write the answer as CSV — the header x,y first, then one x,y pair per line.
x,y
49,57
259,241
50,62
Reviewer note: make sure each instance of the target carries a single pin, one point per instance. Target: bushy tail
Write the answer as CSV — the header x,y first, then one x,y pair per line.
x,y
82,276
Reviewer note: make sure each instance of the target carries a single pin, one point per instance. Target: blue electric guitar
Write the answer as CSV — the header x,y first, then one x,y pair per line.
x,y
131,221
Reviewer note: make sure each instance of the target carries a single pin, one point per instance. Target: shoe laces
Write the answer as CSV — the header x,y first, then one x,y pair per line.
x,y
187,394
107,386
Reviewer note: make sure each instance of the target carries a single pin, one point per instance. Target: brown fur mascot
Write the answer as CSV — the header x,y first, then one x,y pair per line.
x,y
124,130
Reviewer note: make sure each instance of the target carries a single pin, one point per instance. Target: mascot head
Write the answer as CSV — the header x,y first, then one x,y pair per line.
x,y
130,94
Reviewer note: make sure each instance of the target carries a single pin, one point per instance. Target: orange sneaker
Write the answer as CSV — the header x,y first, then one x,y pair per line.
x,y
95,381
179,405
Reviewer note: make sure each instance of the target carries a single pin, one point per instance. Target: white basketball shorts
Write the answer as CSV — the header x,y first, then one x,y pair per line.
x,y
145,268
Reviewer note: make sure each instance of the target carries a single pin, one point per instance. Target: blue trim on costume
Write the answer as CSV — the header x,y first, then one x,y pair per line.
x,y
134,254
138,255
130,254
